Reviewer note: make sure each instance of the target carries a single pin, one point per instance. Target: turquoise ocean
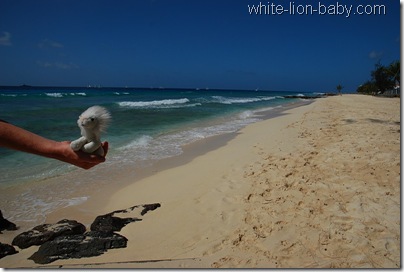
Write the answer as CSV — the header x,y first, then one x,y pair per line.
x,y
147,125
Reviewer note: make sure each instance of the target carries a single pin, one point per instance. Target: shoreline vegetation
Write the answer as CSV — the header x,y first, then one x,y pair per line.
x,y
385,81
316,186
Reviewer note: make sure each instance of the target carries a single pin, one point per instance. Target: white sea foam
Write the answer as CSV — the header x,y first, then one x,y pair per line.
x,y
57,95
246,114
259,111
146,149
60,95
155,103
32,208
81,94
236,100
142,141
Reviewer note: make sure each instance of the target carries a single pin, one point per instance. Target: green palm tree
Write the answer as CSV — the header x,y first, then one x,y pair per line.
x,y
394,71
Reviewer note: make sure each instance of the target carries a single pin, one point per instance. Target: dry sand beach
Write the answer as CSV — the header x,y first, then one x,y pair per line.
x,y
317,187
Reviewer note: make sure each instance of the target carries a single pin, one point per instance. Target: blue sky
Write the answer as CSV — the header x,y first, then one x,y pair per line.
x,y
196,44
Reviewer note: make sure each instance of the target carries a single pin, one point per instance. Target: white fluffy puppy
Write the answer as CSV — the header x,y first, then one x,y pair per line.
x,y
92,122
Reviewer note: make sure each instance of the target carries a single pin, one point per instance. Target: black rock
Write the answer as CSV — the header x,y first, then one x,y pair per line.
x,y
43,233
5,224
6,249
68,239
150,207
90,244
108,223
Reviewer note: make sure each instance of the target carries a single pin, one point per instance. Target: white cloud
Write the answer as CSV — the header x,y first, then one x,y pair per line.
x,y
5,39
375,55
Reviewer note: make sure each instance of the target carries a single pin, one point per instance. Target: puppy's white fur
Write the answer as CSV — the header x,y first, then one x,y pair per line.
x,y
92,122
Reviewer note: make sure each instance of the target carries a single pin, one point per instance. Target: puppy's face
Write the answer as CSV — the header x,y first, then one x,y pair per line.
x,y
87,121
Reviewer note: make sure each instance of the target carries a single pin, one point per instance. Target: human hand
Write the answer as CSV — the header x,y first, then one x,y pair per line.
x,y
80,158
17,138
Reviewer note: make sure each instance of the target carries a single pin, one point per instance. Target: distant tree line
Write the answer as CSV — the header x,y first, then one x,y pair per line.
x,y
382,79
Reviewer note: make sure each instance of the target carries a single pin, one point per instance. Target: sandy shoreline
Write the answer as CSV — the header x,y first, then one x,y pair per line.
x,y
318,186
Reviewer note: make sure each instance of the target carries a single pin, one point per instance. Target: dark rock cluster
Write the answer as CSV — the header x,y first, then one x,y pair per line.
x,y
92,243
69,238
6,249
46,232
5,224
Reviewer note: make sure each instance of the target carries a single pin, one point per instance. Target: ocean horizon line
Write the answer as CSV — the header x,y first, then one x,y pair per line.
x,y
95,87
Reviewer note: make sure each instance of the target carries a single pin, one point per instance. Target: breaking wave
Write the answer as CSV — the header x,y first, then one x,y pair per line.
x,y
155,103
236,100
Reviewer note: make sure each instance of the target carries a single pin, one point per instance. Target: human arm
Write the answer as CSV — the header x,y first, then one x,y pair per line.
x,y
20,139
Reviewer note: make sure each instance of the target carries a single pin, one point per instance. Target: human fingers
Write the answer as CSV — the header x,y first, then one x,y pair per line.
x,y
79,158
105,146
